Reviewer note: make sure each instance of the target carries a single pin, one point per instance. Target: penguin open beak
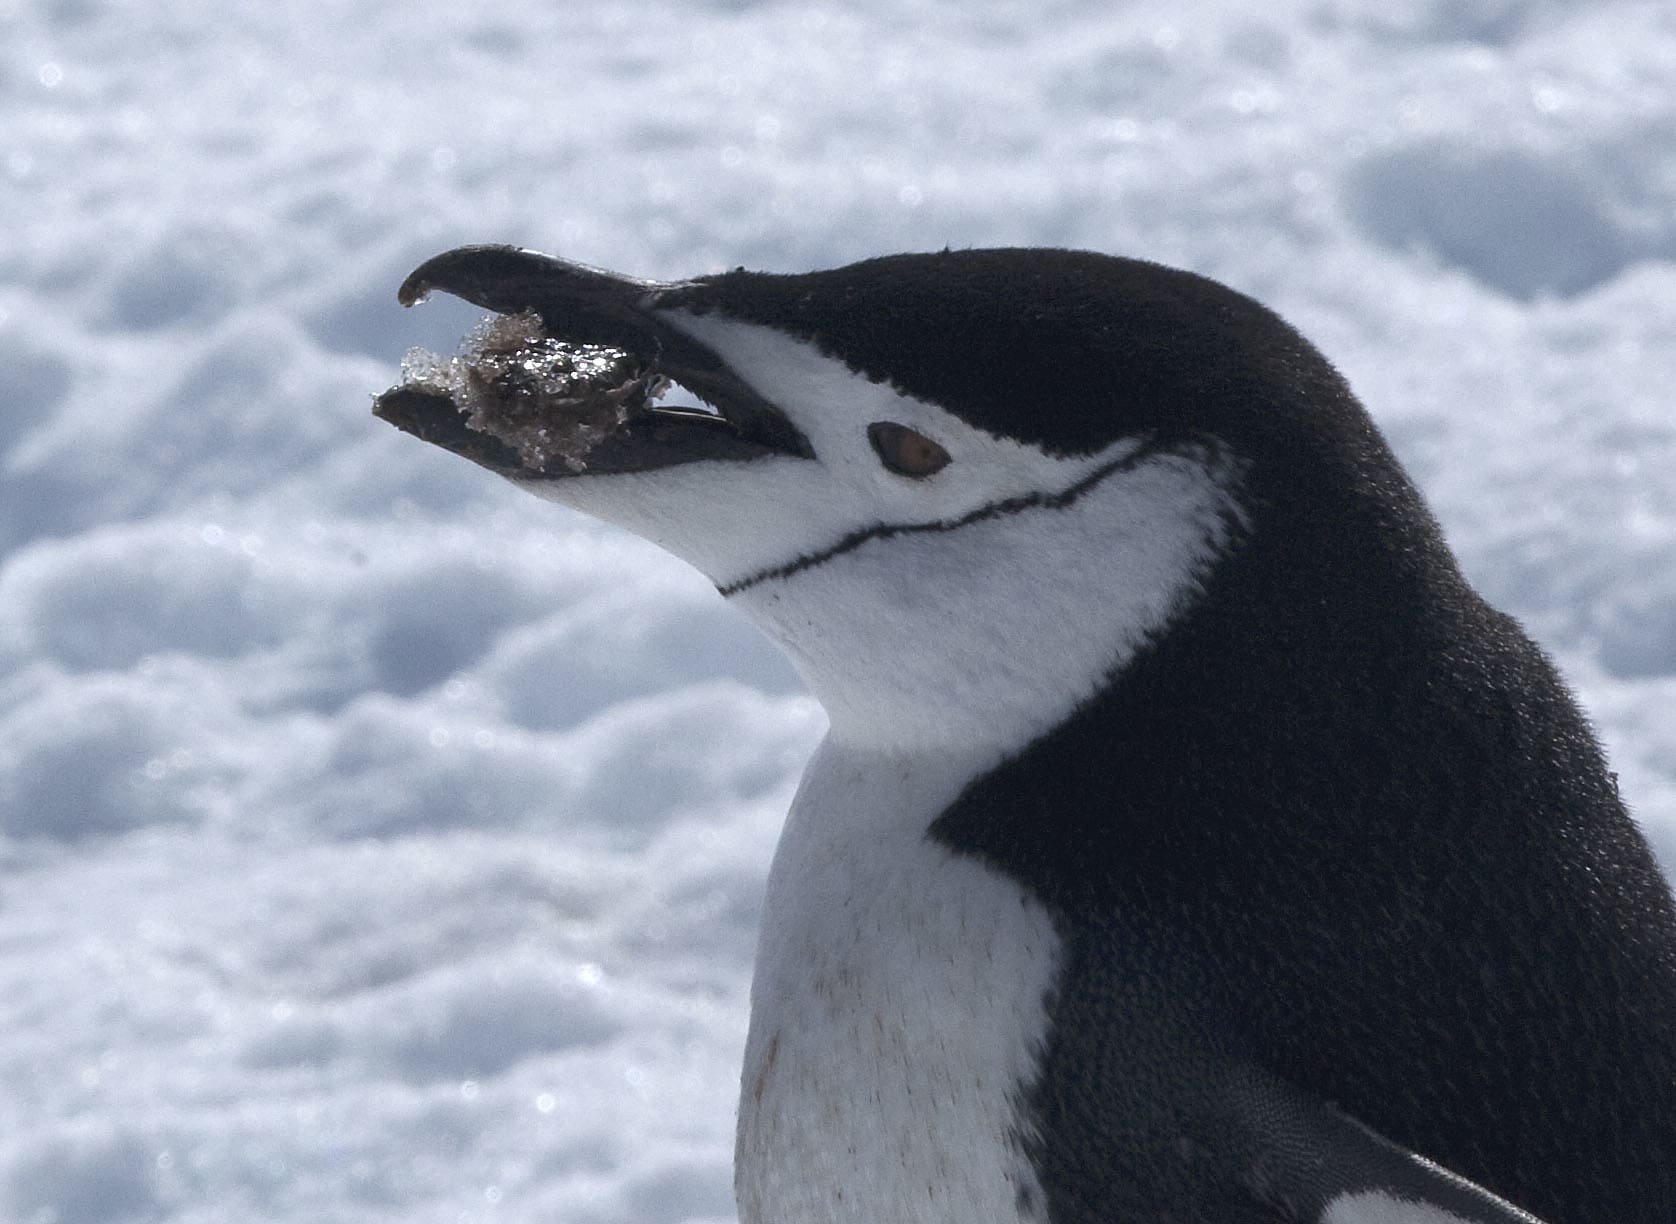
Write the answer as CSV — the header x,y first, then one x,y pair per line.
x,y
509,412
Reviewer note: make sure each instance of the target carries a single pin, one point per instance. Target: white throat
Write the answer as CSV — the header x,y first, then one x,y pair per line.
x,y
986,634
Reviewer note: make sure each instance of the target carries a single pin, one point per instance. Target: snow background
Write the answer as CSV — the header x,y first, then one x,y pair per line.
x,y
378,843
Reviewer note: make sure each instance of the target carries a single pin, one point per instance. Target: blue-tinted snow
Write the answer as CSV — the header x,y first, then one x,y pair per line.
x,y
381,845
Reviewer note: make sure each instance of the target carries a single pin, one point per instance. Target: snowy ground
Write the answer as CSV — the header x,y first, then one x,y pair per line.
x,y
377,844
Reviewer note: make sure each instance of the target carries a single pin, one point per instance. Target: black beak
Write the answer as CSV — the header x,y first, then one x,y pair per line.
x,y
581,305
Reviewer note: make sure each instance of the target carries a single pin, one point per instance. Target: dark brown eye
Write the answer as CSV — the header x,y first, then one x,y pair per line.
x,y
904,451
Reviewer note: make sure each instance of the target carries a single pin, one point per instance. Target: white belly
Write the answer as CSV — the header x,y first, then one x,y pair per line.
x,y
898,1011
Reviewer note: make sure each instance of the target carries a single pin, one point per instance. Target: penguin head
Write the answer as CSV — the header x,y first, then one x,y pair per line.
x,y
960,490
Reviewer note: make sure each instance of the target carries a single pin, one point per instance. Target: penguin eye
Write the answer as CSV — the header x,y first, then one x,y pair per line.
x,y
904,451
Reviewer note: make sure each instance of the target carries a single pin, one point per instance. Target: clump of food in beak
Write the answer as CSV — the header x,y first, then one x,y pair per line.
x,y
549,399
565,378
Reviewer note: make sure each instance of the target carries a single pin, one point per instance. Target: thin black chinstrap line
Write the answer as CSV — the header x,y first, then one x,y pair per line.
x,y
1010,505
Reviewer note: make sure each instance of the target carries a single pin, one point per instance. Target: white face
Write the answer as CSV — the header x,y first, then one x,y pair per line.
x,y
972,608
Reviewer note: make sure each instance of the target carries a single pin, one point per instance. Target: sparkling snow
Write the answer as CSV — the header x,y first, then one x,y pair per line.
x,y
380,844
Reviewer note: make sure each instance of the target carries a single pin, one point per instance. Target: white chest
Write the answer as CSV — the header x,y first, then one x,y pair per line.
x,y
898,1011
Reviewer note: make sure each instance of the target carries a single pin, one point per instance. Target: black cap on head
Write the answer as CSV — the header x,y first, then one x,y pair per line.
x,y
1068,350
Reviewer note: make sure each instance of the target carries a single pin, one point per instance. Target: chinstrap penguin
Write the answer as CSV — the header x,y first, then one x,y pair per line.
x,y
1190,843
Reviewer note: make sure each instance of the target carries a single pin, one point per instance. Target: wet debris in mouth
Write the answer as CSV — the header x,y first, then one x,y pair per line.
x,y
551,400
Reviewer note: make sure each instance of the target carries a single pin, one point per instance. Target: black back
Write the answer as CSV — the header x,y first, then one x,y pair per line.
x,y
1342,821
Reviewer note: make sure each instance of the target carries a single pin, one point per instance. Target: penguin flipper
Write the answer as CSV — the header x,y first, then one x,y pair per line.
x,y
1314,1164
